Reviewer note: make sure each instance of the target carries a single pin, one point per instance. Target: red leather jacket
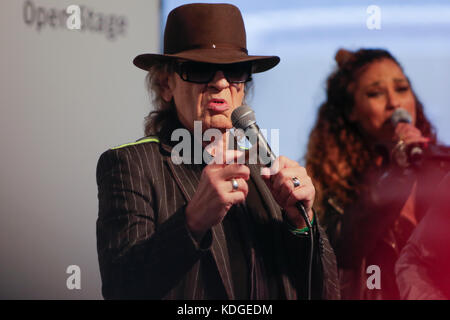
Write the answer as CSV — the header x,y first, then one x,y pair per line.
x,y
423,269
371,231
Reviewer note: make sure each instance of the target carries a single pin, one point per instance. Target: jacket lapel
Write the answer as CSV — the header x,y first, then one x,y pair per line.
x,y
274,211
269,203
187,178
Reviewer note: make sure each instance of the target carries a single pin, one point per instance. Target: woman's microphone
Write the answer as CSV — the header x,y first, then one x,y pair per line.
x,y
414,154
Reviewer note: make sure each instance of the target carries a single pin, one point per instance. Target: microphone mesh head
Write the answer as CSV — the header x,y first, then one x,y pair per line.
x,y
242,117
400,115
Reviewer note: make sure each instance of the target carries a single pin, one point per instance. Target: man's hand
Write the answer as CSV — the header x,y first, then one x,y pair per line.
x,y
215,194
279,179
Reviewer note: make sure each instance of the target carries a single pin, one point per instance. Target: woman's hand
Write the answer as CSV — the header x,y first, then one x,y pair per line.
x,y
409,134
279,179
405,137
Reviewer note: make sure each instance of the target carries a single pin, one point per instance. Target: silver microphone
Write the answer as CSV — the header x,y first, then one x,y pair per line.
x,y
414,154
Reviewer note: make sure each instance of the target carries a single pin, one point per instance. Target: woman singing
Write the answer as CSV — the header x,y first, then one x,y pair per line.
x,y
370,195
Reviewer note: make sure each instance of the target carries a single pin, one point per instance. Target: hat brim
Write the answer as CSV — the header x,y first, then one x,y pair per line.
x,y
222,56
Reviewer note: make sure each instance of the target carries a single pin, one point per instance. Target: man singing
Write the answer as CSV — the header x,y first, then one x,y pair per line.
x,y
209,230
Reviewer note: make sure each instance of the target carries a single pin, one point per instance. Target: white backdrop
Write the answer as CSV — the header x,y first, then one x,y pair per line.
x,y
65,97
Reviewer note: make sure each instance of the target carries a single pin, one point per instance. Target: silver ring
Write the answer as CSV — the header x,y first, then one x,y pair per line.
x,y
296,182
234,184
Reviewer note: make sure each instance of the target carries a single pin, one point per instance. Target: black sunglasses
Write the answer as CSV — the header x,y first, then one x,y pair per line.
x,y
199,72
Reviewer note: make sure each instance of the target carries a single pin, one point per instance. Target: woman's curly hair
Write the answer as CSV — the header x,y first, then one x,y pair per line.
x,y
338,153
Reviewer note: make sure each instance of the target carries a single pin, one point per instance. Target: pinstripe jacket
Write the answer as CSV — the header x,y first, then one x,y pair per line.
x,y
145,250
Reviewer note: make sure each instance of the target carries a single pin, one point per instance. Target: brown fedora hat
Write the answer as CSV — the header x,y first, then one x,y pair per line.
x,y
212,33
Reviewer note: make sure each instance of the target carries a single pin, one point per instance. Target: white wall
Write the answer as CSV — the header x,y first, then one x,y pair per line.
x,y
65,97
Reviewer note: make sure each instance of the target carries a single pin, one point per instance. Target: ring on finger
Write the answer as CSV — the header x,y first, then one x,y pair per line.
x,y
296,182
234,184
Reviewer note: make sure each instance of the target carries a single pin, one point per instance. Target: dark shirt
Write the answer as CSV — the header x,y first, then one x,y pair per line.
x,y
239,258
243,224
